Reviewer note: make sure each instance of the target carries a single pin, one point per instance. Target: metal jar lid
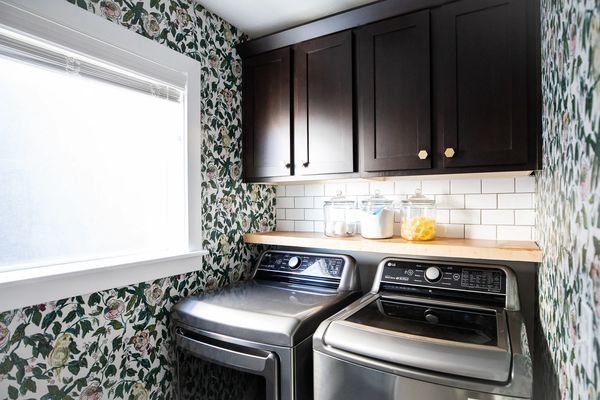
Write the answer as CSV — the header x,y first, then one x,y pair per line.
x,y
418,199
339,200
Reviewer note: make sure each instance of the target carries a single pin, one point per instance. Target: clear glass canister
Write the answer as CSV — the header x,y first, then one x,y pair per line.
x,y
377,217
418,217
340,216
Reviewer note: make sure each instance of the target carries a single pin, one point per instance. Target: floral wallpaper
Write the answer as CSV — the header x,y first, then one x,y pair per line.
x,y
569,199
116,344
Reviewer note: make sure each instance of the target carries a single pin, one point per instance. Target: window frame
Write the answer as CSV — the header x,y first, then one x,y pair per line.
x,y
75,29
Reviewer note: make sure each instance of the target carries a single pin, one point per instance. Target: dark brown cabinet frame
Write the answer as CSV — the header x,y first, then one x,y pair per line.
x,y
525,153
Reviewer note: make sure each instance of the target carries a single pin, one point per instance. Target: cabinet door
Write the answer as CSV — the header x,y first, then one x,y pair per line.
x,y
323,121
266,115
393,82
482,76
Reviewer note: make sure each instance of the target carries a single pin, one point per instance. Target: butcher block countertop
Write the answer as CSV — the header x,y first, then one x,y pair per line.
x,y
506,250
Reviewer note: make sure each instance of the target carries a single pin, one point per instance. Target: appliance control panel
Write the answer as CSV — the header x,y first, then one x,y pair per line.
x,y
303,264
447,276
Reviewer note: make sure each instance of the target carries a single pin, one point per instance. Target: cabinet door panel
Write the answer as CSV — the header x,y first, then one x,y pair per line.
x,y
483,70
323,121
267,117
393,81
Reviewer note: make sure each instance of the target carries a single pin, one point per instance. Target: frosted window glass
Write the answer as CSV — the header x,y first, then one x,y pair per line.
x,y
88,169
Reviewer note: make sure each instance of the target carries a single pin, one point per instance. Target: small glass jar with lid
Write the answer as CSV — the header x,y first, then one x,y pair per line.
x,y
377,217
340,216
418,217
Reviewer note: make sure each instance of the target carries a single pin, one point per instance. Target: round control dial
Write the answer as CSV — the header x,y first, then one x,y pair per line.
x,y
433,274
294,262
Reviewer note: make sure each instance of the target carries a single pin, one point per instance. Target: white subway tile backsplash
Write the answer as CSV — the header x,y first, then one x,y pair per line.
x,y
466,208
525,184
442,216
294,190
319,226
480,232
384,187
303,202
498,185
450,201
279,190
331,189
462,186
465,216
284,225
436,186
319,202
304,226
450,231
525,217
284,202
481,201
514,232
294,213
279,214
515,200
317,189
497,217
357,188
313,214
406,187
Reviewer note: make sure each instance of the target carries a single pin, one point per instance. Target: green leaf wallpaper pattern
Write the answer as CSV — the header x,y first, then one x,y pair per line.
x,y
568,201
115,344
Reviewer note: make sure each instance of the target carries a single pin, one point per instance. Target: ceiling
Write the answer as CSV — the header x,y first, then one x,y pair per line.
x,y
261,17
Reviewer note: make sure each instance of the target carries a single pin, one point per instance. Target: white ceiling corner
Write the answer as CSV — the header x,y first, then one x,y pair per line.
x,y
261,17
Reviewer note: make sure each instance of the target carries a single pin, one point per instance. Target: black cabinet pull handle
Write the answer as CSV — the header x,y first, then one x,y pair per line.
x,y
305,164
288,165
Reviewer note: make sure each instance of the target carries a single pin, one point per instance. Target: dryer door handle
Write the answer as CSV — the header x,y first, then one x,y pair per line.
x,y
253,362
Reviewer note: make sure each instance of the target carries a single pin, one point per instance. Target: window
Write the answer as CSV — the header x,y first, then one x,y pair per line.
x,y
99,146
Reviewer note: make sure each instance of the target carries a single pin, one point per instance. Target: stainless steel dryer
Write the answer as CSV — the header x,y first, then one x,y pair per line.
x,y
253,340
428,331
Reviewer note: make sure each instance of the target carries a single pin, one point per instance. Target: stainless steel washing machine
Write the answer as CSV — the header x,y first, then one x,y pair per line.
x,y
253,340
429,331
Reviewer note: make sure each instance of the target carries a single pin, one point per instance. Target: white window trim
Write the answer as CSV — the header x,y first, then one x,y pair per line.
x,y
64,24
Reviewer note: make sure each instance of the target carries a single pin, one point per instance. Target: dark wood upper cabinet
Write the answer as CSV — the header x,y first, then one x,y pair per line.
x,y
481,69
393,87
323,116
267,115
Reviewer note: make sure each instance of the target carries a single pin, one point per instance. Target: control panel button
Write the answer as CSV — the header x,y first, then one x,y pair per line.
x,y
433,274
431,317
294,262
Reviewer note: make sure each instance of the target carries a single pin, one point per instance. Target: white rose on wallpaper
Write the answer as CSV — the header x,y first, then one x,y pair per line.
x,y
211,283
213,60
264,225
225,139
228,96
234,275
4,336
153,294
227,203
211,171
92,392
245,223
151,25
236,67
224,244
59,355
110,10
139,392
183,18
115,308
236,171
140,341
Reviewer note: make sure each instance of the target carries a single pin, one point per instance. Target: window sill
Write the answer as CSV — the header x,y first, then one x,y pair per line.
x,y
26,287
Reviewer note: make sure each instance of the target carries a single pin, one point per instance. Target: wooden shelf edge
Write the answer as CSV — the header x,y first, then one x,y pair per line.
x,y
523,251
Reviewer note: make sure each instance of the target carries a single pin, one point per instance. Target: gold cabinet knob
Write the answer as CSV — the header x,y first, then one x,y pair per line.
x,y
423,154
449,152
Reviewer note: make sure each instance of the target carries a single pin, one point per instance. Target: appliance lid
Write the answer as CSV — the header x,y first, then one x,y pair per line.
x,y
274,313
468,342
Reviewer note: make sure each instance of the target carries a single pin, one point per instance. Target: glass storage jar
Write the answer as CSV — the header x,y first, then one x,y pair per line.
x,y
340,216
418,217
377,217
